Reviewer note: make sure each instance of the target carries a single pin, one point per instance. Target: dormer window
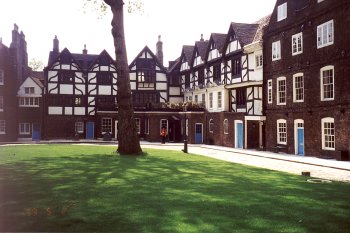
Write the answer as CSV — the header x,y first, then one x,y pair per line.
x,y
282,12
29,90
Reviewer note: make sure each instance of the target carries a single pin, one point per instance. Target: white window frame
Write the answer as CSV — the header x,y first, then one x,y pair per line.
x,y
331,84
29,90
282,135
259,61
147,126
219,100
24,128
318,1
79,127
2,127
280,92
138,125
328,133
211,100
269,91
1,103
282,12
211,126
203,99
325,34
29,102
297,44
1,77
163,123
225,126
106,122
298,87
276,50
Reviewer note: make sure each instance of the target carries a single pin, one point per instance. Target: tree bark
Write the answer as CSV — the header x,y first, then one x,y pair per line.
x,y
128,140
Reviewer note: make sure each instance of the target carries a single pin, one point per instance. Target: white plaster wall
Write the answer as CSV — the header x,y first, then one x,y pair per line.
x,y
133,85
68,110
164,95
51,88
104,90
132,76
55,110
161,86
175,100
80,88
92,77
66,89
65,67
79,111
91,100
104,68
174,91
91,111
29,83
92,89
258,107
161,77
79,77
52,74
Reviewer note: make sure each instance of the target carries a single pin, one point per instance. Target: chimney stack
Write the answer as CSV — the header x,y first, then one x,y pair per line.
x,y
160,50
56,47
85,50
202,39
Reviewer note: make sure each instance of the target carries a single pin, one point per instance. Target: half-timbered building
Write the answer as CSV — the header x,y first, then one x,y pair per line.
x,y
306,70
80,97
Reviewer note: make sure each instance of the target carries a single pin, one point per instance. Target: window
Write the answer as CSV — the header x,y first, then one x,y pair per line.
x,y
1,103
147,126
203,99
319,1
236,67
259,61
211,126
328,134
276,50
282,12
327,83
138,125
163,124
297,44
106,126
196,98
225,126
282,132
241,99
217,73
1,77
29,90
219,99
211,100
298,87
77,101
281,91
325,34
28,102
2,127
269,91
79,127
24,128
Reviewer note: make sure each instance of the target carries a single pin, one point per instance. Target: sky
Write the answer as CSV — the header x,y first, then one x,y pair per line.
x,y
179,23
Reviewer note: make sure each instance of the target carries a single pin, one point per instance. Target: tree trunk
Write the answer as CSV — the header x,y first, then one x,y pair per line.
x,y
128,140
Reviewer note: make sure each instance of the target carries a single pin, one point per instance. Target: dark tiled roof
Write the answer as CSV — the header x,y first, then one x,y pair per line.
x,y
202,47
219,40
37,74
84,60
38,81
245,32
173,64
188,51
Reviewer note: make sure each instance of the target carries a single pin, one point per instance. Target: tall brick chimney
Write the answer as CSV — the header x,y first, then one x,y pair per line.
x,y
159,52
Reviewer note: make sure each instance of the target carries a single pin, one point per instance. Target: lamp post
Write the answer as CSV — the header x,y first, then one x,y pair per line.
x,y
185,130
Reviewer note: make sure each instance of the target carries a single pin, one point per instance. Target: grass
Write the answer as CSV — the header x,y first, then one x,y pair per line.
x,y
90,188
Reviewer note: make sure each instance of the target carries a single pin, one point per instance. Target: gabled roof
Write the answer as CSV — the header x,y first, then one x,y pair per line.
x,y
146,49
200,47
38,81
174,64
85,60
219,40
187,52
244,32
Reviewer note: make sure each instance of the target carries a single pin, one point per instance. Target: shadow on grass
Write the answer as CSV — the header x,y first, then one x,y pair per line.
x,y
164,191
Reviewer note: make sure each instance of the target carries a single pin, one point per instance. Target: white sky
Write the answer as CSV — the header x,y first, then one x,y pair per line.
x,y
179,22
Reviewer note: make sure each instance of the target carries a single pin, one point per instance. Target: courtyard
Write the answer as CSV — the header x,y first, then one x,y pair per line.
x,y
91,188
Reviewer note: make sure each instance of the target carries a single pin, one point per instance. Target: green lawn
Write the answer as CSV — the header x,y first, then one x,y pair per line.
x,y
90,188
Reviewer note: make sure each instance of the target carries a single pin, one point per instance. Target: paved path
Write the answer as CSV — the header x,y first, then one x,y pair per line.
x,y
319,168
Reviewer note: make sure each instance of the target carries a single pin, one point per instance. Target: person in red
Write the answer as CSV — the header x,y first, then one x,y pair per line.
x,y
163,134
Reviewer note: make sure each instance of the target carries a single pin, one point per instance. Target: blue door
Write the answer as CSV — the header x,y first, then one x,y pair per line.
x,y
300,141
239,135
36,134
90,130
199,134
